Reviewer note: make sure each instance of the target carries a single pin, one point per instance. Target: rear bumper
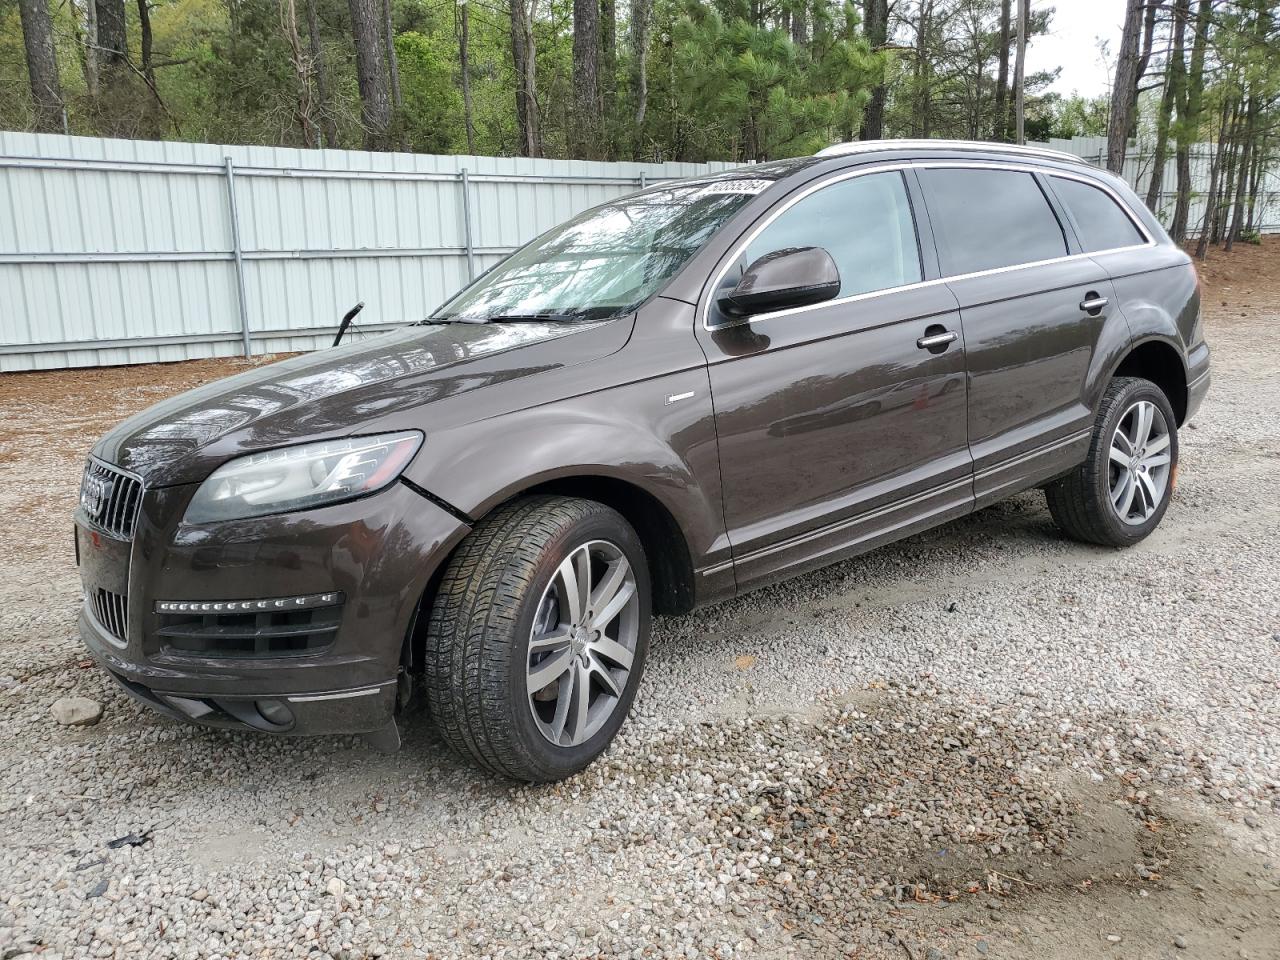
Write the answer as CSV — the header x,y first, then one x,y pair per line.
x,y
1197,378
371,559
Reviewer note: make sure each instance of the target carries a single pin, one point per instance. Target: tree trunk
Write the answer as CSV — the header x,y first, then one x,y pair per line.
x,y
799,27
464,67
1019,72
1242,173
1255,182
151,120
1188,127
641,11
393,62
371,75
1211,198
1124,92
875,25
42,65
922,95
301,70
112,41
91,58
1151,7
524,59
1000,129
1228,148
608,70
586,79
1174,79
328,125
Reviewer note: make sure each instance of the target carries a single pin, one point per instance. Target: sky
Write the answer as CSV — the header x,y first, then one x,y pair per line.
x,y
1077,26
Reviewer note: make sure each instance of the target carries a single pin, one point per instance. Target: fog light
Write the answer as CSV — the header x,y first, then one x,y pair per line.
x,y
273,605
273,711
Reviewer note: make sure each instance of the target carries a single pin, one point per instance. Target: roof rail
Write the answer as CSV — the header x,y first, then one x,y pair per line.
x,y
868,146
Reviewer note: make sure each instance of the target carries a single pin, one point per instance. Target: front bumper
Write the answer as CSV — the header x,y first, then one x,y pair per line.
x,y
376,554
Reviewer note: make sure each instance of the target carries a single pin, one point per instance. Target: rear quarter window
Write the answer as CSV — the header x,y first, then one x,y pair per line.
x,y
987,218
1100,222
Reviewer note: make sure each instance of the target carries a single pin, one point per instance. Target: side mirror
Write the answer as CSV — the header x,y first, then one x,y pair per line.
x,y
794,277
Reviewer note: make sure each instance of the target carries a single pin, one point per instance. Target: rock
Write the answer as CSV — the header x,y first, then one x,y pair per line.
x,y
335,888
783,878
1180,942
76,711
982,947
1113,938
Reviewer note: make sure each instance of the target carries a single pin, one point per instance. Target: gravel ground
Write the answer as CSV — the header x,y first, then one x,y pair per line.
x,y
983,741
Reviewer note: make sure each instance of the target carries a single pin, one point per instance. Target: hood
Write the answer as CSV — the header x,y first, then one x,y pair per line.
x,y
378,384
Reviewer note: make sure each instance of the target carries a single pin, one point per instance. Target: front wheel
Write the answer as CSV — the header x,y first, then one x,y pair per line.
x,y
1120,493
538,636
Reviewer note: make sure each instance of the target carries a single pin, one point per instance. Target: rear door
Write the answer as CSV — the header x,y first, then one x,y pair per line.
x,y
836,429
1034,309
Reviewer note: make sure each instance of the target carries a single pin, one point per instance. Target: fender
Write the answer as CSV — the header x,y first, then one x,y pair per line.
x,y
650,426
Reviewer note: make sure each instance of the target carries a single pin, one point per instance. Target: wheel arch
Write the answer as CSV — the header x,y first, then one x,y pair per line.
x,y
666,547
1160,361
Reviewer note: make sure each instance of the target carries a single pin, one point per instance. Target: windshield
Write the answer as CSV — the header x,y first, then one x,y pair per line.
x,y
606,261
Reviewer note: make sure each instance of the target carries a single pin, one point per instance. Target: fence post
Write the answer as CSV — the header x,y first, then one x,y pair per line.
x,y
466,225
644,180
237,257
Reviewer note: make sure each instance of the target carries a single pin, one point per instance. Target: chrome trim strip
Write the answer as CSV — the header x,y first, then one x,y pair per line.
x,y
102,627
344,695
677,397
854,521
1021,458
908,165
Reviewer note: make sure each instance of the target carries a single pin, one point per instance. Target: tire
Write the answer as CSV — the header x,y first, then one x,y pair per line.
x,y
503,613
1087,502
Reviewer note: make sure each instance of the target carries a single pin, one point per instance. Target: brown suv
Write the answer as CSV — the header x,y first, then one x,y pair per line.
x,y
670,400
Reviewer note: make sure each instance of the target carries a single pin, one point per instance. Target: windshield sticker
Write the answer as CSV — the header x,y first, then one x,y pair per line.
x,y
735,186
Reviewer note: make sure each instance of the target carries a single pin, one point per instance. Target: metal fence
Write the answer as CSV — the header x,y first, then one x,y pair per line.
x,y
120,251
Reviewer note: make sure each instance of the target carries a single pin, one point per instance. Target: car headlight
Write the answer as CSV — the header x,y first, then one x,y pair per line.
x,y
308,475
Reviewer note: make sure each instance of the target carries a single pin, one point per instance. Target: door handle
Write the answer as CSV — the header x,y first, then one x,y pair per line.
x,y
1093,304
937,340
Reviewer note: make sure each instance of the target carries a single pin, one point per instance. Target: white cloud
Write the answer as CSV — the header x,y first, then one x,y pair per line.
x,y
1076,28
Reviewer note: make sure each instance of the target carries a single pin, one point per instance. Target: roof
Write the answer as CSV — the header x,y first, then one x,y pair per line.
x,y
872,146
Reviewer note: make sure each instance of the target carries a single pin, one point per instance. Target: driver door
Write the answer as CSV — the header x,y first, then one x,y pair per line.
x,y
837,429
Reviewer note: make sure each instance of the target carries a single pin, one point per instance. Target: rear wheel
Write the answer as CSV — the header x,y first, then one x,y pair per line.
x,y
538,636
1120,493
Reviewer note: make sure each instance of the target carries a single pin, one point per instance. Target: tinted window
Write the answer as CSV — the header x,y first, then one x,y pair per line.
x,y
990,218
865,224
1101,223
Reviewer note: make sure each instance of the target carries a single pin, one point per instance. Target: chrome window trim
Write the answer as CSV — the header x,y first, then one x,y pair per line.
x,y
741,245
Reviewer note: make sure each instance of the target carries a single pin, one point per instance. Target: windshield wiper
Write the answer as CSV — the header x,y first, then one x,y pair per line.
x,y
529,318
565,317
420,323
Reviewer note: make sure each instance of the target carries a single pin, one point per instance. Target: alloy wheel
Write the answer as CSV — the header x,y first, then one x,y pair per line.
x,y
1140,462
582,643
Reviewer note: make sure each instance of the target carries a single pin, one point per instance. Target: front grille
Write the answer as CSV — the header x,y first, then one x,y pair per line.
x,y
272,633
111,610
110,498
